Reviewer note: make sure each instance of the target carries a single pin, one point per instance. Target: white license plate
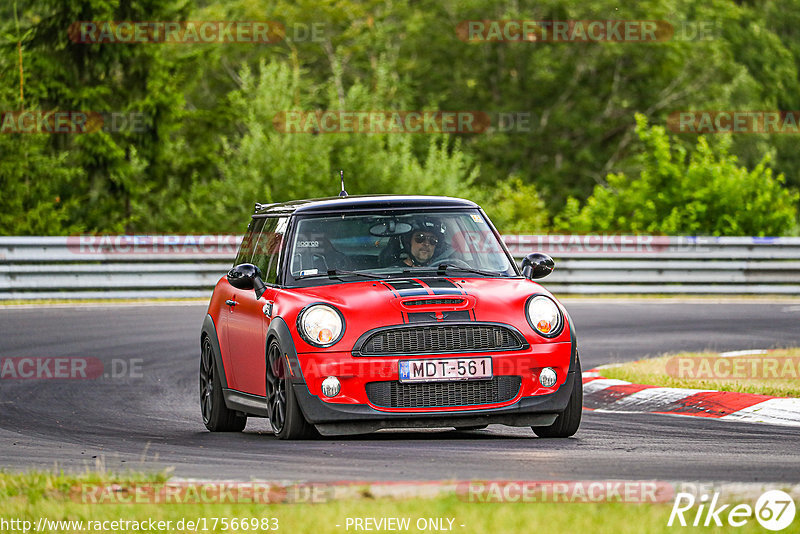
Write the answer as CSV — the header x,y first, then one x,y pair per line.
x,y
445,369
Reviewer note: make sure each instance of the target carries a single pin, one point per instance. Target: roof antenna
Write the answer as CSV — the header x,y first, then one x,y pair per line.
x,y
342,193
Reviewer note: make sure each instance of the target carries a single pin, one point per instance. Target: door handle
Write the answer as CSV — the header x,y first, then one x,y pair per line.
x,y
230,302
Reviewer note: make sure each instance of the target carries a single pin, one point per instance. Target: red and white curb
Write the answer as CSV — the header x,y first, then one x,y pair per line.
x,y
609,395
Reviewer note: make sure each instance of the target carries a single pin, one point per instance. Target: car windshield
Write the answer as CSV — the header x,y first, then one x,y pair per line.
x,y
395,244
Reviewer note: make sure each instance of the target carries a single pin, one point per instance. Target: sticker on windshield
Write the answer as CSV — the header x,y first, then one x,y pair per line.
x,y
308,272
476,218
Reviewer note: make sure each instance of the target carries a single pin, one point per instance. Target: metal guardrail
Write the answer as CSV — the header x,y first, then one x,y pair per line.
x,y
92,267
597,264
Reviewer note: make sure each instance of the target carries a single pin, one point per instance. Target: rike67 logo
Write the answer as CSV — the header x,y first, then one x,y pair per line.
x,y
774,510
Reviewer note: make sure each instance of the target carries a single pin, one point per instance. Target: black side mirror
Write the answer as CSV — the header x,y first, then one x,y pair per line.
x,y
247,276
537,265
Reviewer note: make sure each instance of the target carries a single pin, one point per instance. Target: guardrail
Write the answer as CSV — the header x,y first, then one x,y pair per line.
x,y
595,264
89,267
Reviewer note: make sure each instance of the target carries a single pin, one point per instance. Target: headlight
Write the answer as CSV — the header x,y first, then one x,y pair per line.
x,y
320,325
544,316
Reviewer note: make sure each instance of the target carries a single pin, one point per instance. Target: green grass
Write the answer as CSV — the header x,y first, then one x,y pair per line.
x,y
653,372
29,496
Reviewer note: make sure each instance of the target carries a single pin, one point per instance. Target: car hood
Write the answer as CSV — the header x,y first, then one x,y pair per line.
x,y
366,305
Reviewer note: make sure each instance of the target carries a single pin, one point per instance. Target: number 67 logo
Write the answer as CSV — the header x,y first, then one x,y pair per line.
x,y
775,510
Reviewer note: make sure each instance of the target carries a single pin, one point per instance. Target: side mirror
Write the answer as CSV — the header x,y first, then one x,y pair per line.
x,y
537,265
247,276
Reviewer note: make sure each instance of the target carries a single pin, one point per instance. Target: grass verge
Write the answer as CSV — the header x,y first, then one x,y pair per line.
x,y
774,373
36,495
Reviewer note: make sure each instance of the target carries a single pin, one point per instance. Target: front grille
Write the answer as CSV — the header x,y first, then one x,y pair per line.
x,y
425,302
393,394
444,338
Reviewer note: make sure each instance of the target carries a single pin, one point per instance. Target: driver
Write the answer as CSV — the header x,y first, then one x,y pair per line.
x,y
421,243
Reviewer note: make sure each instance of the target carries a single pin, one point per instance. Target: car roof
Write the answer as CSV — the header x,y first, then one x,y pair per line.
x,y
360,203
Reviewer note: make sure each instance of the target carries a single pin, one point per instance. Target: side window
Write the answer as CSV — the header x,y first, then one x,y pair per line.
x,y
267,250
245,254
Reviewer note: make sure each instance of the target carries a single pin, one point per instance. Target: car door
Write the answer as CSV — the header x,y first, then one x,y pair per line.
x,y
247,323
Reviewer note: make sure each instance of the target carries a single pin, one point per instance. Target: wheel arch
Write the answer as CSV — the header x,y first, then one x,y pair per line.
x,y
573,337
209,330
278,329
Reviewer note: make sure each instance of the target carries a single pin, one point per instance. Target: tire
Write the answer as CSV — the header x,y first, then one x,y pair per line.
x,y
216,416
285,417
568,421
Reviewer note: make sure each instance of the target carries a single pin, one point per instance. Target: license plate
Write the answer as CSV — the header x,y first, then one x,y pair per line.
x,y
449,369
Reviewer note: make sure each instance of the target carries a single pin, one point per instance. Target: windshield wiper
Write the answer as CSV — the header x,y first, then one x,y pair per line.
x,y
335,273
443,267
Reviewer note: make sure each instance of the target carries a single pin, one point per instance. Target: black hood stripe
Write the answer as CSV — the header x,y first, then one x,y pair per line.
x,y
407,288
443,286
440,282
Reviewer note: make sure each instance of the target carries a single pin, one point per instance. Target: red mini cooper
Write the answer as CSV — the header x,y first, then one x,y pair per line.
x,y
352,314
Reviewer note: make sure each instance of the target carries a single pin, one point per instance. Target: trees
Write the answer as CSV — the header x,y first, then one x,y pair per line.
x,y
697,192
267,165
104,179
209,145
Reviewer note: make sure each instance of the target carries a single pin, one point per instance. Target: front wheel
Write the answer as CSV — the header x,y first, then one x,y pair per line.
x,y
216,416
568,421
285,417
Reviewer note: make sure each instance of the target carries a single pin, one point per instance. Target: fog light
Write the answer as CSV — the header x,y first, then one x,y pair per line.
x,y
331,386
547,377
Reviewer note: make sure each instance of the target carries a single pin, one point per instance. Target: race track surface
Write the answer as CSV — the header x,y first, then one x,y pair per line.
x,y
152,421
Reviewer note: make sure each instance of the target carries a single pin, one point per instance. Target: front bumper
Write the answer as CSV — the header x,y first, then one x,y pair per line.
x,y
330,418
356,372
531,407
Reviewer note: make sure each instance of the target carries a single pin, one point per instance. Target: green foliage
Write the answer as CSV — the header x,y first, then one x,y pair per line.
x,y
515,207
209,149
679,192
30,205
269,165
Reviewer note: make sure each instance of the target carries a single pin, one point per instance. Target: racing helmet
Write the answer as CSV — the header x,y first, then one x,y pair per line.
x,y
428,225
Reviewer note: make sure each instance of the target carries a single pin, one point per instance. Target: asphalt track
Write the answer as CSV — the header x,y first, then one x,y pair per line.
x,y
152,422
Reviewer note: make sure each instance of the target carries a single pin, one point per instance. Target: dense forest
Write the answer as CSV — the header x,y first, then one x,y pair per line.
x,y
184,135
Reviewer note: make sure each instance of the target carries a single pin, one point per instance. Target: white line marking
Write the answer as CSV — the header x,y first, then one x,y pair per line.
x,y
774,411
603,383
734,353
654,398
